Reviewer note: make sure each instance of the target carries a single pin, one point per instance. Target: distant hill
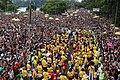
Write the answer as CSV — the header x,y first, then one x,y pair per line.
x,y
25,3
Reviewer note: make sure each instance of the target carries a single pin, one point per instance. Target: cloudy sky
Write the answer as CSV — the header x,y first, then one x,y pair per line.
x,y
79,0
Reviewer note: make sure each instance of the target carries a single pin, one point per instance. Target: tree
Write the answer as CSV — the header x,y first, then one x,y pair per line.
x,y
54,6
108,8
7,5
11,7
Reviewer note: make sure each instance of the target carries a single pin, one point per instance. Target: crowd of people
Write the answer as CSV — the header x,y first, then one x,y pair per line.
x,y
77,46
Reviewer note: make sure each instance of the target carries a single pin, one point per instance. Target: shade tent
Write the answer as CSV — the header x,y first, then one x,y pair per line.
x,y
25,16
51,18
16,20
57,19
46,15
96,17
117,33
116,28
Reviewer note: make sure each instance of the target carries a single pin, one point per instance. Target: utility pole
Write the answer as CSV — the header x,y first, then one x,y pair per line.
x,y
30,11
116,12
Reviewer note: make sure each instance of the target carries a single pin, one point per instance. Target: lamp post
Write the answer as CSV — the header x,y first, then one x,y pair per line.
x,y
116,14
42,30
30,11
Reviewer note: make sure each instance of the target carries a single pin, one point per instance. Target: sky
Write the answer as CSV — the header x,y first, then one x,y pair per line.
x,y
79,0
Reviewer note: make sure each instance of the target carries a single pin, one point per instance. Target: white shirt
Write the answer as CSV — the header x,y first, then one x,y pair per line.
x,y
11,74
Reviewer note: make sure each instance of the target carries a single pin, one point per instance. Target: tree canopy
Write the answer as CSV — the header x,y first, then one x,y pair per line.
x,y
108,8
7,5
54,7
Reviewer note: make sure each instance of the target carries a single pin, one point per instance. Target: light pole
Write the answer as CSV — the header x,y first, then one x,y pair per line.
x,y
116,12
29,22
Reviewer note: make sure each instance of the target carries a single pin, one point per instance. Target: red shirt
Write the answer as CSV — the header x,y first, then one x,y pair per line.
x,y
53,75
64,66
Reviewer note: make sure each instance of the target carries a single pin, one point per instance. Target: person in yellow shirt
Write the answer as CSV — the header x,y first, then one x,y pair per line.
x,y
28,66
34,74
44,65
39,54
70,74
95,75
95,61
91,70
45,75
24,74
35,63
85,77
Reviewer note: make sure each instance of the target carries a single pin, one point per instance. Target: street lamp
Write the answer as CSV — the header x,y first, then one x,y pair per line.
x,y
29,22
42,30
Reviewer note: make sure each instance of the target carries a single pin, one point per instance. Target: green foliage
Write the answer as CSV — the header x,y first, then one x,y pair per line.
x,y
6,5
11,7
54,7
25,3
32,7
107,8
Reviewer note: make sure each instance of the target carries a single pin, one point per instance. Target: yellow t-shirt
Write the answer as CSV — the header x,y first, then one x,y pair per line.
x,y
39,68
91,68
34,62
95,61
84,79
39,54
28,67
24,73
95,75
36,58
70,74
34,74
44,63
81,74
85,61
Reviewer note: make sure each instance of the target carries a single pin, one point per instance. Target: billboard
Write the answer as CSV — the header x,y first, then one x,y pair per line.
x,y
96,9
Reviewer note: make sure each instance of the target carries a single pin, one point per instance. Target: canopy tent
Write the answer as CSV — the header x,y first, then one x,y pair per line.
x,y
104,32
96,17
25,16
51,18
75,12
46,15
75,15
116,28
16,20
18,13
57,19
117,33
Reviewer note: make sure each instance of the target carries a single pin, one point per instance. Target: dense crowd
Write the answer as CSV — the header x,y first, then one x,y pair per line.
x,y
76,46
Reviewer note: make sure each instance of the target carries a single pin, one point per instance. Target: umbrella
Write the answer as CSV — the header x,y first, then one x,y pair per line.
x,y
104,32
17,13
71,14
13,19
112,25
57,19
88,11
67,15
75,12
117,33
76,15
116,28
51,18
25,16
46,15
96,17
109,44
16,20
